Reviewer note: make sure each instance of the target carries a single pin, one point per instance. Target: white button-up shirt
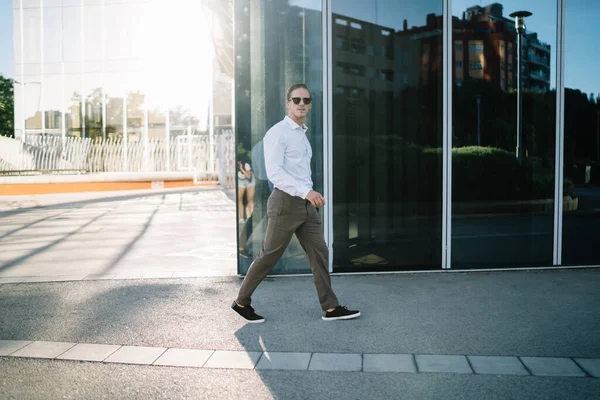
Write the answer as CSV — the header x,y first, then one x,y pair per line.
x,y
287,157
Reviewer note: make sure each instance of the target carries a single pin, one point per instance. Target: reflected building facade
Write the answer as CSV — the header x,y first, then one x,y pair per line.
x,y
485,48
377,73
413,126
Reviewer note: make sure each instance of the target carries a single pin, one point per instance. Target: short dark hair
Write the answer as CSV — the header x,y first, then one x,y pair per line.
x,y
294,87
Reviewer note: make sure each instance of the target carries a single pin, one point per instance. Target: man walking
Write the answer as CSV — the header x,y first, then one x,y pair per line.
x,y
292,208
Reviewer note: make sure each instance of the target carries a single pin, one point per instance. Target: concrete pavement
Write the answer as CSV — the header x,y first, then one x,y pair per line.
x,y
450,325
152,234
458,335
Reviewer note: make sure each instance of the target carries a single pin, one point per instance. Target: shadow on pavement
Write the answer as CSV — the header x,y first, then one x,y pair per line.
x,y
80,225
48,246
109,312
114,197
539,314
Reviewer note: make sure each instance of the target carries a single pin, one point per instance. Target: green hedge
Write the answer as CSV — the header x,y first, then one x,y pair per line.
x,y
478,173
487,173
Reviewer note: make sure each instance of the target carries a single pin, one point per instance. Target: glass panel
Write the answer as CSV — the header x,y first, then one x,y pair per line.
x,y
16,33
387,134
71,34
52,103
131,56
581,218
52,35
33,102
31,3
72,102
92,31
277,44
10,117
114,109
93,105
503,154
32,52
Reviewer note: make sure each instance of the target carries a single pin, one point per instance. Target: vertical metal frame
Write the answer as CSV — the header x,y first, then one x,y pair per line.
x,y
447,137
327,127
22,49
560,131
63,117
42,80
104,72
82,83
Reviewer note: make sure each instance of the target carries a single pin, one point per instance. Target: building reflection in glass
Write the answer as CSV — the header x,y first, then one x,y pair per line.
x,y
502,160
277,44
581,215
387,134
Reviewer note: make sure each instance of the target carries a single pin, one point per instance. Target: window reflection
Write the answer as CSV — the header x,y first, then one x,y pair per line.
x,y
387,132
581,216
52,104
102,70
33,102
503,135
31,35
277,44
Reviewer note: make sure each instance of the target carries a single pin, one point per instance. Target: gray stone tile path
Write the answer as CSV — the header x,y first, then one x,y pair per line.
x,y
372,363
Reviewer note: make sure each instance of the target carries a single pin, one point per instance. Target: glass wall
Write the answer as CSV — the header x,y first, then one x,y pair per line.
x,y
8,91
123,72
581,217
503,134
141,73
277,44
387,134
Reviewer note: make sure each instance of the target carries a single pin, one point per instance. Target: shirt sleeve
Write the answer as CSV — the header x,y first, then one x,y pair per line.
x,y
274,150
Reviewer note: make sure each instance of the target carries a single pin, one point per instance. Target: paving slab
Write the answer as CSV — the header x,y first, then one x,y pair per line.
x,y
8,347
128,276
335,362
17,279
34,279
389,363
99,277
591,365
66,278
136,355
188,274
233,359
89,352
42,349
158,275
283,360
443,363
496,365
184,358
552,366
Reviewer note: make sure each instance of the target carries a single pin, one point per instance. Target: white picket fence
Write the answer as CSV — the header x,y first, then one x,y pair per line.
x,y
208,158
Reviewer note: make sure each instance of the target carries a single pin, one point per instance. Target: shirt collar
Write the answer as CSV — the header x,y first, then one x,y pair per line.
x,y
293,124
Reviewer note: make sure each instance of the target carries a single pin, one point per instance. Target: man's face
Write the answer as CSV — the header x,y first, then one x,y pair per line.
x,y
298,110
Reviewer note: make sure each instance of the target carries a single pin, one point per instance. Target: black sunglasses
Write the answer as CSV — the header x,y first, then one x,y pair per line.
x,y
296,100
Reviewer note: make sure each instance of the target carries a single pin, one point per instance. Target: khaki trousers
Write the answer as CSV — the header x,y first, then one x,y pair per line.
x,y
288,215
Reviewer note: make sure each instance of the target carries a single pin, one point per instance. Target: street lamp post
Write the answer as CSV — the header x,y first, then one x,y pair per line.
x,y
598,135
519,17
478,101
